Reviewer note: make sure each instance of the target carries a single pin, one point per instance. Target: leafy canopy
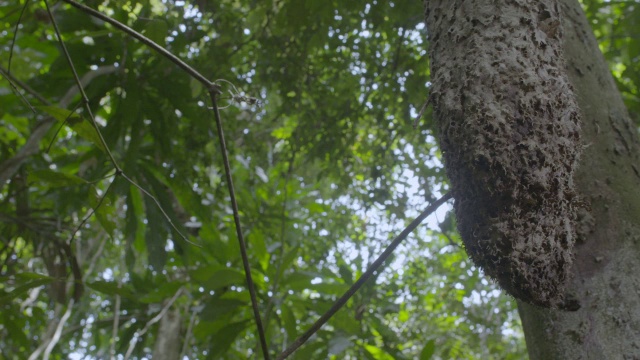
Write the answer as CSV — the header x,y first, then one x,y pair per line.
x,y
327,168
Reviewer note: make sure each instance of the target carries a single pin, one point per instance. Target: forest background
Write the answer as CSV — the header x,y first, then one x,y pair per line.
x,y
327,163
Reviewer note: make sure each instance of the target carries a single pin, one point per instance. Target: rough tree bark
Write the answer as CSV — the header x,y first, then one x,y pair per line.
x,y
603,267
168,339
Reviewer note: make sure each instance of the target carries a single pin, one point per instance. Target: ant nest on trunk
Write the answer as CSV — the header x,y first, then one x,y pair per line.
x,y
509,129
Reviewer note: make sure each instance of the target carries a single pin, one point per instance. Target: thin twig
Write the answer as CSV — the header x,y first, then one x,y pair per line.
x,y
155,319
97,324
12,83
164,213
56,336
214,92
283,229
114,328
367,274
422,109
116,316
94,259
50,332
451,242
187,336
164,52
78,287
85,80
15,35
24,86
92,211
85,98
71,113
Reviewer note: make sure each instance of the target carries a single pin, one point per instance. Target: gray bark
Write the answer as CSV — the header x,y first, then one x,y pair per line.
x,y
603,276
168,339
607,260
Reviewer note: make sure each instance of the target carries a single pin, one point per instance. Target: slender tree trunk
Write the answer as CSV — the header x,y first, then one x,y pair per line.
x,y
602,271
168,339
607,263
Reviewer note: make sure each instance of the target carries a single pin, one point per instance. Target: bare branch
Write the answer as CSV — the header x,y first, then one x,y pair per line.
x,y
15,35
164,213
92,211
85,98
114,329
367,274
236,218
187,336
51,328
155,319
164,52
56,335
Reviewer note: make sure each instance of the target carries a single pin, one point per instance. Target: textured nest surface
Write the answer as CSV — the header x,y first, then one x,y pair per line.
x,y
509,131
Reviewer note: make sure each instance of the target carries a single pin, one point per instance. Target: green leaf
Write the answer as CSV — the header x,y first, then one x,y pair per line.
x,y
17,332
224,277
224,338
83,128
216,308
428,350
155,235
196,88
330,288
298,281
288,259
378,353
310,351
338,344
289,321
166,290
110,288
103,210
32,276
156,30
202,274
137,203
13,129
345,273
55,178
256,240
287,129
403,315
23,289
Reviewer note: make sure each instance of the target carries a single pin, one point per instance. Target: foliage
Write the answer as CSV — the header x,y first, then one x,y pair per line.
x,y
327,169
616,25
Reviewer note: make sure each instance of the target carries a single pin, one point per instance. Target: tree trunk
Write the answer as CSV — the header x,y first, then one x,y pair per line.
x,y
168,339
607,260
603,237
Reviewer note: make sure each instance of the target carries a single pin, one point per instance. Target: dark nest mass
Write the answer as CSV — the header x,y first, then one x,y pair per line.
x,y
509,128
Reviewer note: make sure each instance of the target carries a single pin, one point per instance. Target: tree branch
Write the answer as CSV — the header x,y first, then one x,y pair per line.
x,y
145,40
155,319
58,332
367,274
236,218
